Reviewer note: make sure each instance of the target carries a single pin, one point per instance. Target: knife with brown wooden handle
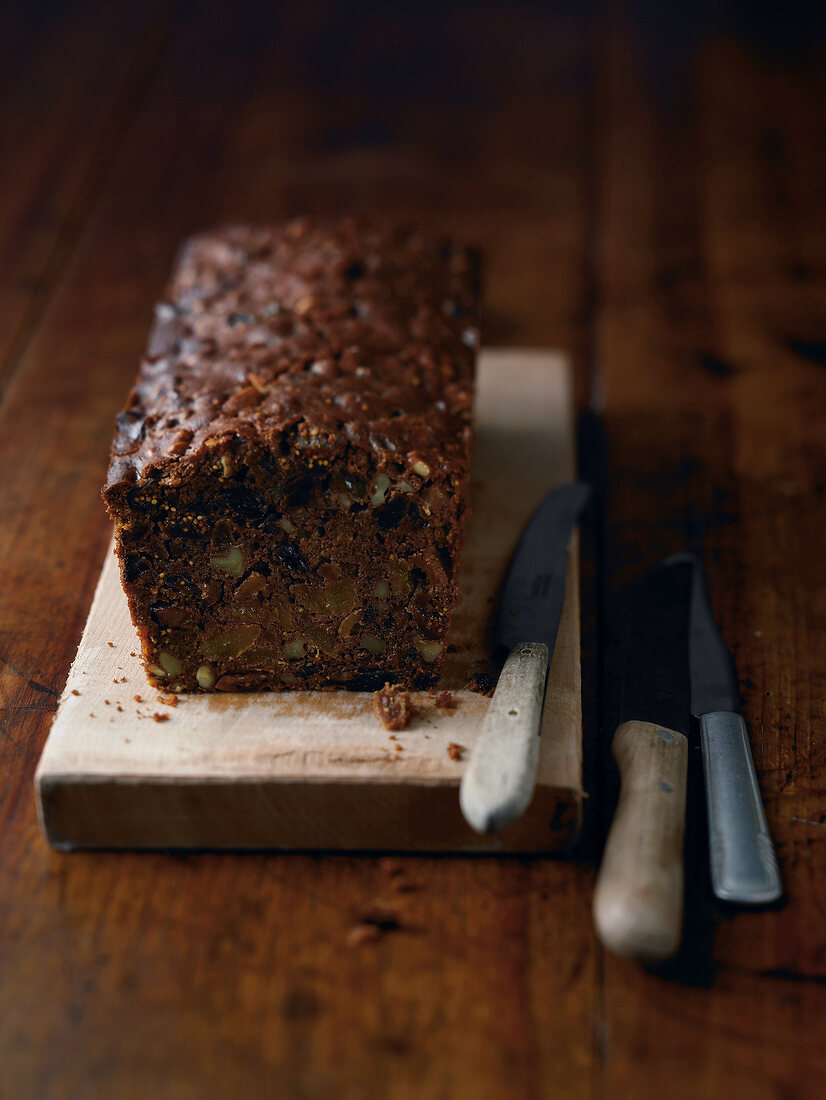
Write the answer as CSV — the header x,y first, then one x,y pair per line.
x,y
638,902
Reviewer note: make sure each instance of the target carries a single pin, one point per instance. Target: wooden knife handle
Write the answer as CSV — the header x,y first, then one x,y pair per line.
x,y
499,782
638,903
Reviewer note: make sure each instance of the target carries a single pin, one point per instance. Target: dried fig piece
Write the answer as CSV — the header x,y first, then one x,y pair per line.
x,y
317,636
282,616
399,579
249,587
336,601
349,623
229,643
168,615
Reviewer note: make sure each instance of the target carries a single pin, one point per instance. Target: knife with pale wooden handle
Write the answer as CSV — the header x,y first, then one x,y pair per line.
x,y
498,784
638,902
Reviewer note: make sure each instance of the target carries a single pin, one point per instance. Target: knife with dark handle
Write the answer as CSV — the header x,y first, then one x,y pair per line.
x,y
743,863
498,784
638,902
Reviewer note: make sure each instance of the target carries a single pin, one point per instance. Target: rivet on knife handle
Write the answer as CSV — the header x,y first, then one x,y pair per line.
x,y
638,903
743,863
499,781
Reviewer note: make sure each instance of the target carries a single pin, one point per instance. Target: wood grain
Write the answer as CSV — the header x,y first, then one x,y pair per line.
x,y
648,185
64,114
312,770
716,417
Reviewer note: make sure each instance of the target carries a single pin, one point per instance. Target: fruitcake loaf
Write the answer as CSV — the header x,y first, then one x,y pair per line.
x,y
289,478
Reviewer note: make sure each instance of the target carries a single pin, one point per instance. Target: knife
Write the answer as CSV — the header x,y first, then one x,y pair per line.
x,y
743,863
500,778
638,902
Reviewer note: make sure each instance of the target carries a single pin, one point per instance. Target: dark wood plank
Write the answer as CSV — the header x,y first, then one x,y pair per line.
x,y
697,287
69,74
127,975
710,263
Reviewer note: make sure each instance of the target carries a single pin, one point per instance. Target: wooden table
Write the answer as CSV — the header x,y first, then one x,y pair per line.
x,y
649,190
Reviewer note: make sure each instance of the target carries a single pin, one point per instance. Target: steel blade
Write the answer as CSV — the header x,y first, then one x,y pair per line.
x,y
714,685
531,597
656,685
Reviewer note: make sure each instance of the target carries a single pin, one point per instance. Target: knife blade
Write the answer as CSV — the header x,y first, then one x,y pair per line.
x,y
638,901
500,778
743,862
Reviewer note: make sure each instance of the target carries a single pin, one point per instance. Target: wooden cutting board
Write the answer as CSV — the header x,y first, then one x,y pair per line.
x,y
316,770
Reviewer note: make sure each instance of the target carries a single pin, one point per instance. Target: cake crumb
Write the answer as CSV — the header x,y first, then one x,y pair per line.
x,y
120,708
482,683
168,700
160,717
455,752
392,707
361,934
446,701
137,698
133,654
91,715
106,701
111,645
382,914
75,691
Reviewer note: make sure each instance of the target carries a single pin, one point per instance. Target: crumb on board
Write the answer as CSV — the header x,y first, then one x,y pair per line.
x,y
361,934
393,707
106,701
455,752
160,717
446,701
377,918
111,645
482,683
75,691
381,913
91,715
168,700
137,698
120,708
133,654
399,748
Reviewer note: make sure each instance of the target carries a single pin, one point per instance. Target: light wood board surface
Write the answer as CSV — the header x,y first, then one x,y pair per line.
x,y
315,770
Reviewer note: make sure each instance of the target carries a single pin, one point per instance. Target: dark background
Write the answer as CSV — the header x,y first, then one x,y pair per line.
x,y
647,182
